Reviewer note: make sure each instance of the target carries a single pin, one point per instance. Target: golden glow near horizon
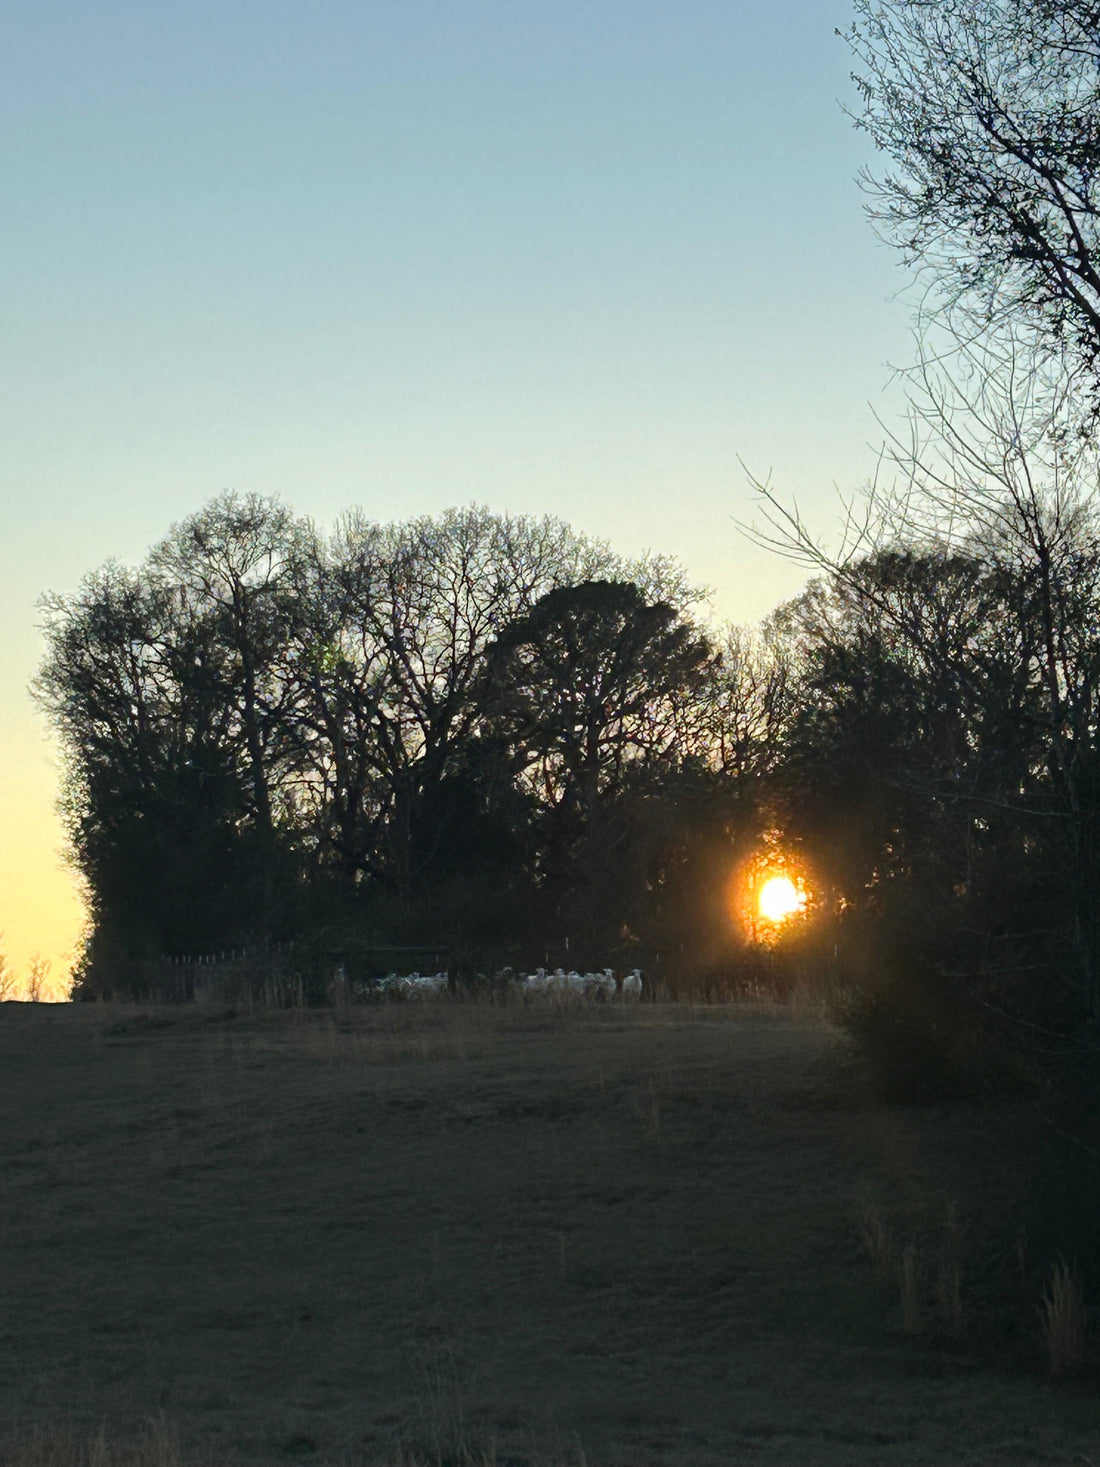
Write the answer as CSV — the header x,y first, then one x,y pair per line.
x,y
41,913
780,899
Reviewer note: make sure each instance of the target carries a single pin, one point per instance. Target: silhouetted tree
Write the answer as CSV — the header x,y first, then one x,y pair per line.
x,y
593,681
232,563
156,796
38,978
394,626
268,732
747,705
594,691
8,982
918,773
989,111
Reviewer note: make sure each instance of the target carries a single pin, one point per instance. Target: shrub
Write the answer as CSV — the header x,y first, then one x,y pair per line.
x,y
1062,1321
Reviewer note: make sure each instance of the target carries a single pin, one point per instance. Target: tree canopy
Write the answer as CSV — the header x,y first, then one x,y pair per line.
x,y
415,731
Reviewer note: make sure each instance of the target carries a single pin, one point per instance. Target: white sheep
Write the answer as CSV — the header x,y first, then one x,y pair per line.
x,y
600,985
632,984
412,984
422,983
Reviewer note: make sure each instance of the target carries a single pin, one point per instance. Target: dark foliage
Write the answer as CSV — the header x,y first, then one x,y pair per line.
x,y
488,735
455,736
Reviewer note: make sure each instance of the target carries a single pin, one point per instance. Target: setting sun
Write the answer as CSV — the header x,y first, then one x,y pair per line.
x,y
771,892
780,898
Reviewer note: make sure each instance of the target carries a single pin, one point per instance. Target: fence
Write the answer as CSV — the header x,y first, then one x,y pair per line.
x,y
278,975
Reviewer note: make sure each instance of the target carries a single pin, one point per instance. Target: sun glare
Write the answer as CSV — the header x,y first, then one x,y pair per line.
x,y
779,899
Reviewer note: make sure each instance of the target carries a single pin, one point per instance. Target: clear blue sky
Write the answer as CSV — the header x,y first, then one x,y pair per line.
x,y
565,257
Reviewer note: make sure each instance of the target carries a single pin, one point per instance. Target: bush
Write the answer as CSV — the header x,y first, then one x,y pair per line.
x,y
923,1036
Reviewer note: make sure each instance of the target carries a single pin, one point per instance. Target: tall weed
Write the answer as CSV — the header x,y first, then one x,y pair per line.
x,y
1062,1322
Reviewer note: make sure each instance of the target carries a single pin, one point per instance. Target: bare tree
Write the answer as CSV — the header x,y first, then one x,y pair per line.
x,y
8,982
992,466
38,975
989,112
402,616
747,708
234,561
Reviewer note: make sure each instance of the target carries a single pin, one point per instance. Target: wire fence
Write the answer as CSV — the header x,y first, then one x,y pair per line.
x,y
278,975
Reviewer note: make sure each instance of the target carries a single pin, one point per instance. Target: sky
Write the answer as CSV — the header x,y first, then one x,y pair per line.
x,y
584,258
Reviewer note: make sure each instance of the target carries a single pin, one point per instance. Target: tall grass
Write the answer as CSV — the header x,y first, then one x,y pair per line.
x,y
927,1267
1062,1322
875,1232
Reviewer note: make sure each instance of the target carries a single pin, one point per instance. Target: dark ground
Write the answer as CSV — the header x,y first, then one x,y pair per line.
x,y
523,1235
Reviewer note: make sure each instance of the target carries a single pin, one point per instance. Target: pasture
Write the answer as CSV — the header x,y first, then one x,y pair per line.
x,y
516,1234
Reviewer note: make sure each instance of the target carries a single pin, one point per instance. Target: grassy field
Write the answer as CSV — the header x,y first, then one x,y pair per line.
x,y
462,1234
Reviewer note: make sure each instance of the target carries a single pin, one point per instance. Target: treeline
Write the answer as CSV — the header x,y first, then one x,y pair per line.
x,y
941,764
492,735
485,733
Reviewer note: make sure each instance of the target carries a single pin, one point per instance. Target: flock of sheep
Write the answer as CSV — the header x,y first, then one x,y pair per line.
x,y
556,984
583,985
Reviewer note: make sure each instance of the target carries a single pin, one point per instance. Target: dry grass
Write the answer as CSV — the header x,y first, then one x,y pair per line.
x,y
1062,1322
156,1445
875,1232
909,1287
927,1268
454,1235
153,1445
